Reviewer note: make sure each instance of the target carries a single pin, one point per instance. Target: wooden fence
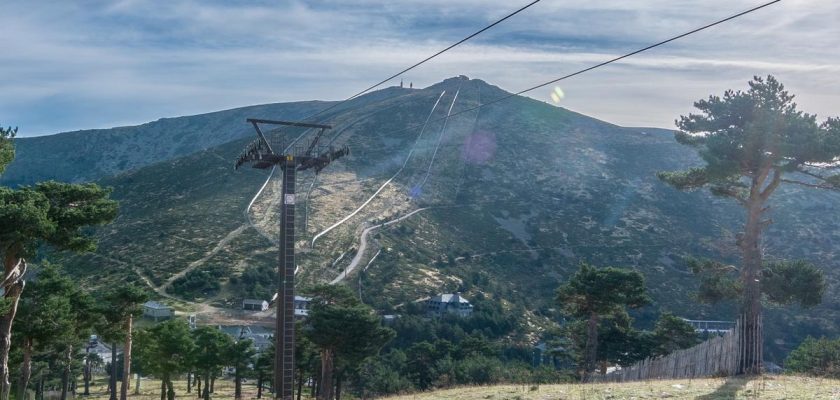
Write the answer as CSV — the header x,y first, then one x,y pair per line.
x,y
724,355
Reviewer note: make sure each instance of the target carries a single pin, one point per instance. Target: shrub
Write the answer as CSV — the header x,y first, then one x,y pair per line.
x,y
819,357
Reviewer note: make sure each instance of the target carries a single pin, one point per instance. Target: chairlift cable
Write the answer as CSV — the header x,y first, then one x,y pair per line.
x,y
523,8
599,65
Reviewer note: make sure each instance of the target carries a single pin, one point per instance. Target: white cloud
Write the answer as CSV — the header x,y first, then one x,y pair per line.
x,y
137,60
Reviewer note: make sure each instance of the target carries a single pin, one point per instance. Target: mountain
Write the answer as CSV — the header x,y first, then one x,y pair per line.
x,y
500,202
93,154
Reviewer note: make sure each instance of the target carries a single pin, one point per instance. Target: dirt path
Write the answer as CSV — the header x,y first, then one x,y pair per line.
x,y
410,153
197,263
363,245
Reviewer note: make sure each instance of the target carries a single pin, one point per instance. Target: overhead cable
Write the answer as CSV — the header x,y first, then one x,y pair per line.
x,y
523,8
599,65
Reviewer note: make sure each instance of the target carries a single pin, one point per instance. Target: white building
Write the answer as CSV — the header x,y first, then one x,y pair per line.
x,y
444,304
254,305
156,310
260,336
302,306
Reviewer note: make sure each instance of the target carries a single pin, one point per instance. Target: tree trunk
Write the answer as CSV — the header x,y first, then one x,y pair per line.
x,y
591,350
237,384
338,388
259,385
137,384
112,382
12,265
87,371
326,392
207,386
170,390
300,383
189,382
213,384
39,390
126,378
65,375
198,385
163,389
25,368
750,244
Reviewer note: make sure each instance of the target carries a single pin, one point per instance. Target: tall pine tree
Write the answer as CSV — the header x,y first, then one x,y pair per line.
x,y
751,142
592,293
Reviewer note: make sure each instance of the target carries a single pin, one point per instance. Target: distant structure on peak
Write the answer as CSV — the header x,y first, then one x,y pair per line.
x,y
444,304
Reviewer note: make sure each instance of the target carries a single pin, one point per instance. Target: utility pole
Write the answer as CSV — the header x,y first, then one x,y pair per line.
x,y
290,158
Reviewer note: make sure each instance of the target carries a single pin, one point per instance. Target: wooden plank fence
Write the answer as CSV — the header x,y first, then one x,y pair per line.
x,y
718,356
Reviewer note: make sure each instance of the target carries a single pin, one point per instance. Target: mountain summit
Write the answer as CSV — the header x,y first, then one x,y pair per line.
x,y
501,201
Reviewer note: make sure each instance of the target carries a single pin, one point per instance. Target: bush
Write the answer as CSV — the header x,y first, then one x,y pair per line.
x,y
819,357
198,283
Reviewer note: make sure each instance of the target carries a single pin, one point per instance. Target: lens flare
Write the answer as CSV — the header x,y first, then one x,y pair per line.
x,y
557,94
479,148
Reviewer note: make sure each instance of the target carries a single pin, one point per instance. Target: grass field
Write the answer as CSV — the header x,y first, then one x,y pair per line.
x,y
767,387
150,390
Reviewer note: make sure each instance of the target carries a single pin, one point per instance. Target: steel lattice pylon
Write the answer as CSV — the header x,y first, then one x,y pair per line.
x,y
290,158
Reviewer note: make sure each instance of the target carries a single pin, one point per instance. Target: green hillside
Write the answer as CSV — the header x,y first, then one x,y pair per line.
x,y
93,154
517,195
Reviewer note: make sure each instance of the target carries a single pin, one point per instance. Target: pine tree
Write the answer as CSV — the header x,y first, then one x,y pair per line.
x,y
50,213
592,293
124,303
7,148
211,349
345,332
751,142
239,355
46,314
165,351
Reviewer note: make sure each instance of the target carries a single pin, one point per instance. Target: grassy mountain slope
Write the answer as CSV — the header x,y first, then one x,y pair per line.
x,y
92,154
511,197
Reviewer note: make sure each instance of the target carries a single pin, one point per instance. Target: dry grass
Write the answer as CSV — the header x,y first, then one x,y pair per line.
x,y
768,387
150,390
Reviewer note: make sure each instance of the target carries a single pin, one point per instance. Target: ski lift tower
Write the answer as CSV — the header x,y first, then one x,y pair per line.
x,y
290,157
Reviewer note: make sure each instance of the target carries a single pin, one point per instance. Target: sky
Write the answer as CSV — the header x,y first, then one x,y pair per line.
x,y
73,65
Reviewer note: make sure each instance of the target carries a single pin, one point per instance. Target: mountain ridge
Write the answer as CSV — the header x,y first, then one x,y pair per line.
x,y
515,194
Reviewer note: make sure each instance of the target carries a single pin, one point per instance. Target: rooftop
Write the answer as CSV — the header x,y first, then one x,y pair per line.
x,y
155,305
450,298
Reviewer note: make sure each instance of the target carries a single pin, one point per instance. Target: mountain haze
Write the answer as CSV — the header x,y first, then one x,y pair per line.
x,y
506,201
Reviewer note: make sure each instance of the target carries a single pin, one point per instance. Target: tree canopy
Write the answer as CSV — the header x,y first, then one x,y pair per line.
x,y
753,133
345,331
53,213
7,148
751,142
592,293
165,351
211,347
784,282
602,291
